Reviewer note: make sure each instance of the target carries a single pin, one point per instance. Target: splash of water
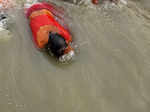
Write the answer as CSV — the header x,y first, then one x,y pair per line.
x,y
5,6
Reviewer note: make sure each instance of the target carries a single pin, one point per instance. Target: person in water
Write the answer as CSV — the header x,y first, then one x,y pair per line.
x,y
48,31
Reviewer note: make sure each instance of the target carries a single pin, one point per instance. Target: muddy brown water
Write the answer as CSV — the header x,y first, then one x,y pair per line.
x,y
111,73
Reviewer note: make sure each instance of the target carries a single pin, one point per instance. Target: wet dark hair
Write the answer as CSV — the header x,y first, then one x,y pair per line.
x,y
56,44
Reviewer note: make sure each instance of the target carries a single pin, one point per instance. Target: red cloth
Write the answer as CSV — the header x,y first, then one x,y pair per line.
x,y
95,1
42,20
45,5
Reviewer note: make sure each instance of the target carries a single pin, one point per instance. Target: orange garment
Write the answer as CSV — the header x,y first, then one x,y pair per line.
x,y
42,22
43,32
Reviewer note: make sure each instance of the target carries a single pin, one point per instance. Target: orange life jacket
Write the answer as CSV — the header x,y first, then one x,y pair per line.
x,y
42,22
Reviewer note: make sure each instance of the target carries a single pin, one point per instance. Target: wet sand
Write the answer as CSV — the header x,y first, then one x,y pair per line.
x,y
111,73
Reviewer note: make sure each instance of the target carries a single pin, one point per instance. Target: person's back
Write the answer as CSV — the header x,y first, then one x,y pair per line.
x,y
47,32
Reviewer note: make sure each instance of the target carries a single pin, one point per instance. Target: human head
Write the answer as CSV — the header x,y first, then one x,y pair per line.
x,y
58,46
